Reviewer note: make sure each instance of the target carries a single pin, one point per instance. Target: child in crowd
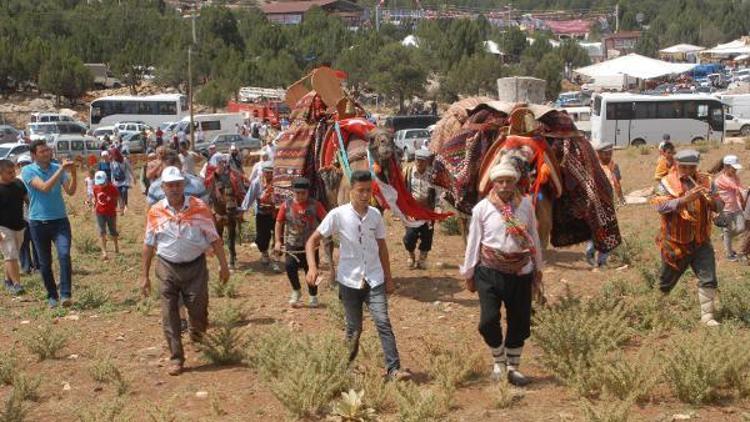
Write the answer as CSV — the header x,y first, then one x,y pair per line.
x,y
106,196
89,182
12,196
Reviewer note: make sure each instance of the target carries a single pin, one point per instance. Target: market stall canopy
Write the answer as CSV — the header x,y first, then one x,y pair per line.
x,y
682,48
741,46
636,66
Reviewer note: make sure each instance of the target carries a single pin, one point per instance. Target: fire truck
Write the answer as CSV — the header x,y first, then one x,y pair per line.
x,y
260,103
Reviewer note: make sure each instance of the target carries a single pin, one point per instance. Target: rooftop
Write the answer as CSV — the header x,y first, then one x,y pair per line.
x,y
304,6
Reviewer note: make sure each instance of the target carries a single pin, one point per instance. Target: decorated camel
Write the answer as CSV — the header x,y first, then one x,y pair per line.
x,y
573,198
328,138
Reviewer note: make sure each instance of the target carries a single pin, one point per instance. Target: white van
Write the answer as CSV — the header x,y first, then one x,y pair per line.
x,y
212,124
581,117
71,146
49,117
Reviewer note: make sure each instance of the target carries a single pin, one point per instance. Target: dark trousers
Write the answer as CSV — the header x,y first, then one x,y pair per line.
x,y
28,255
422,233
703,263
231,221
377,302
44,234
190,282
295,261
264,225
514,291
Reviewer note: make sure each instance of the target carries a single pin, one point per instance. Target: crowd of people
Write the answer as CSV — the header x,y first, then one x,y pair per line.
x,y
188,210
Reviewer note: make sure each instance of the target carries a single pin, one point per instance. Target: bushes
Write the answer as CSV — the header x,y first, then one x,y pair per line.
x,y
575,338
451,364
700,366
735,300
418,405
46,341
304,373
225,343
105,371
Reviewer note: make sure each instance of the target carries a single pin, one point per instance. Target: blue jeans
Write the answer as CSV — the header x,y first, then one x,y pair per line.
x,y
123,190
591,252
44,234
28,255
376,300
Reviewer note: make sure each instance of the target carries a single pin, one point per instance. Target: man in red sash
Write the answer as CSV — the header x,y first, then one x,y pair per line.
x,y
503,259
685,200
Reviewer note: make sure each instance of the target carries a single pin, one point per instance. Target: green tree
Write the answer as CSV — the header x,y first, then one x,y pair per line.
x,y
513,43
64,75
214,94
573,54
475,75
647,45
550,68
398,72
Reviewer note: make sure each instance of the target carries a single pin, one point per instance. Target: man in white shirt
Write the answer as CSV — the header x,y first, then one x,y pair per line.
x,y
179,230
364,271
503,260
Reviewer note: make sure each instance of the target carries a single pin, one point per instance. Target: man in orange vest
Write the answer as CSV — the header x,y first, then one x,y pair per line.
x,y
685,200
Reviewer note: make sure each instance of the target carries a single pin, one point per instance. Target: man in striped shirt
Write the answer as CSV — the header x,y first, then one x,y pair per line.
x,y
685,201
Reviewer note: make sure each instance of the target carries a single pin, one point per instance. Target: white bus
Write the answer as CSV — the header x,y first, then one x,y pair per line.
x,y
151,110
628,119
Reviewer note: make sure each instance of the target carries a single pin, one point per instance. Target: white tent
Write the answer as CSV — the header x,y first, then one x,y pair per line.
x,y
682,48
635,66
732,47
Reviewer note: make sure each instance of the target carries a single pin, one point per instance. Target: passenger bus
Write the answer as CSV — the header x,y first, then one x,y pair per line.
x,y
151,110
628,119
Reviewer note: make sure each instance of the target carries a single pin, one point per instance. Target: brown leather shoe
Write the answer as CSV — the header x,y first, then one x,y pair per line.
x,y
174,369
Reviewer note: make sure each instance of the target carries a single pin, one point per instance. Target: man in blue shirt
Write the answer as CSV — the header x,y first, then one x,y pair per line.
x,y
48,220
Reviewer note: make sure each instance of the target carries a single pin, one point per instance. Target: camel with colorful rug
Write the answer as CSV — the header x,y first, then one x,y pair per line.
x,y
329,137
560,170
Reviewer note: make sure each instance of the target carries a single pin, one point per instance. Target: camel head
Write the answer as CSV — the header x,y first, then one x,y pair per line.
x,y
381,146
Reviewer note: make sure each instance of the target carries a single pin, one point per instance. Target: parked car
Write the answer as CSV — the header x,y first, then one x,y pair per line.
x,y
8,134
225,141
136,143
409,140
102,131
126,128
71,146
736,125
12,151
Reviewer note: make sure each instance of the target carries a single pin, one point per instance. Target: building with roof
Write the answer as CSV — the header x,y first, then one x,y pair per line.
x,y
620,43
292,12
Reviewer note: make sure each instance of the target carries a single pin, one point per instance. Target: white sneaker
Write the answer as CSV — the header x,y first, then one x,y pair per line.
x,y
499,372
314,303
295,297
275,267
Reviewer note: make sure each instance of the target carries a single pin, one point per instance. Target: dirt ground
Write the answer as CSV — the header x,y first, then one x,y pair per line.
x,y
428,304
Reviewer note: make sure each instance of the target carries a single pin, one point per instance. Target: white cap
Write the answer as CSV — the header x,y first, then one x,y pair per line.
x,y
105,153
504,169
732,160
100,178
171,174
233,147
603,145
